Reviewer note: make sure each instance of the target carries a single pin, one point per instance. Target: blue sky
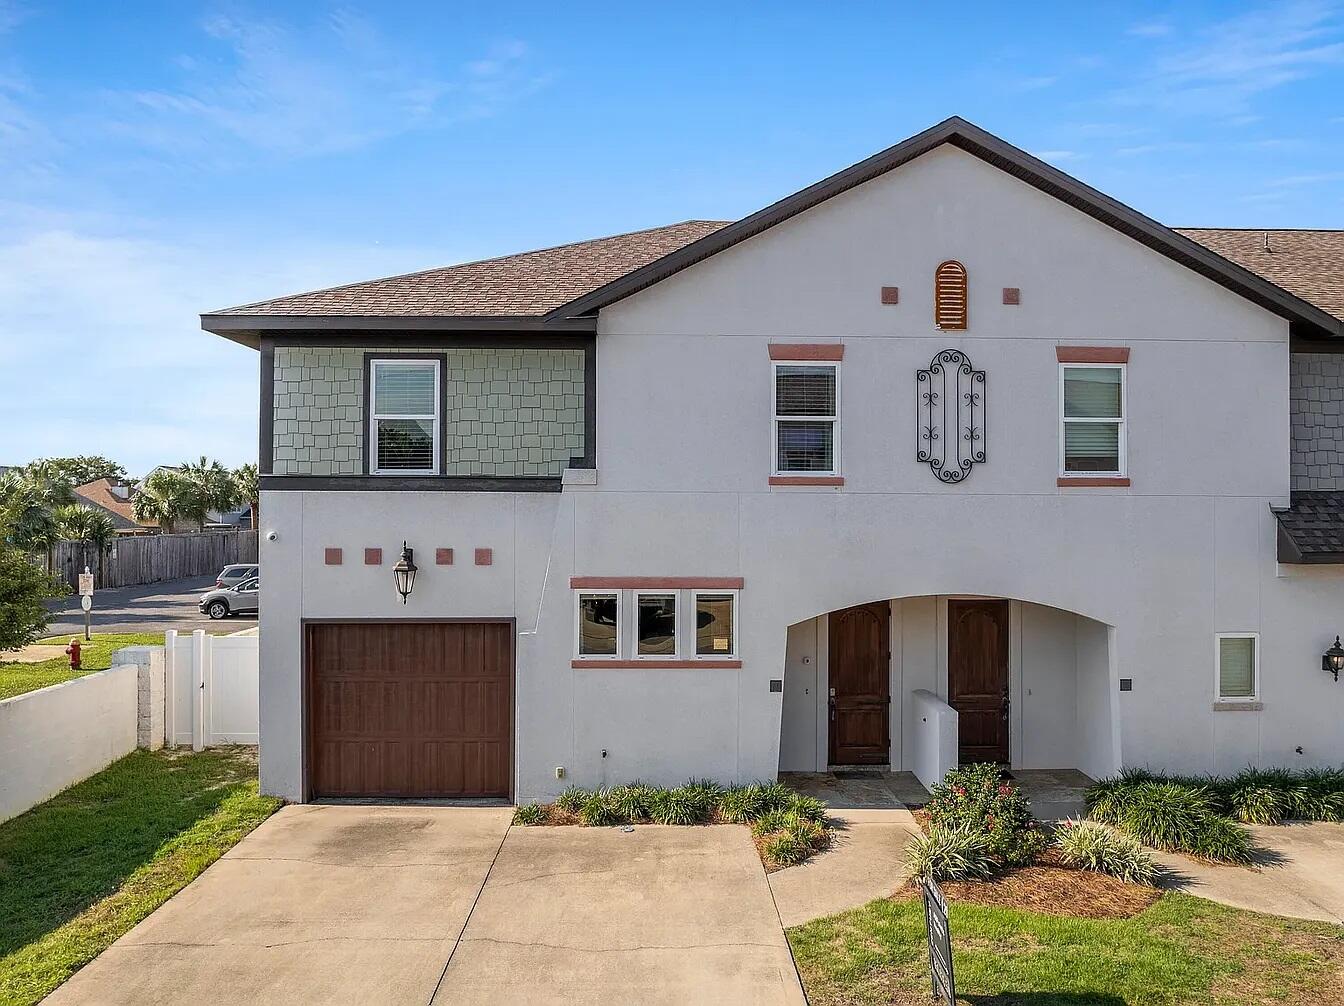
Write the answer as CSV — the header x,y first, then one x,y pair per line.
x,y
159,160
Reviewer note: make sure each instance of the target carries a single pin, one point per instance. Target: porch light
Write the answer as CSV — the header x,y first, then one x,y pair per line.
x,y
1333,659
404,573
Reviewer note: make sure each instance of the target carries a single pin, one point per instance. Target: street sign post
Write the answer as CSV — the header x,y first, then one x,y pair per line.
x,y
940,944
86,600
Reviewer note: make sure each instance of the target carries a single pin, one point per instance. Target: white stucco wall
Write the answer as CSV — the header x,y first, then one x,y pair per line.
x,y
683,458
54,737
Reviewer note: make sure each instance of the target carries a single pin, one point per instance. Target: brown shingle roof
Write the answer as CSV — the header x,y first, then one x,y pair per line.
x,y
523,285
1308,264
99,494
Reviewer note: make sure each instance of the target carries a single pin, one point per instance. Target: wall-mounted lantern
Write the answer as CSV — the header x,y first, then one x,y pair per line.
x,y
404,573
1333,659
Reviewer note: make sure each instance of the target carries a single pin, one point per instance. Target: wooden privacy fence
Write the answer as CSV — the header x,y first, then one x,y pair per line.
x,y
151,558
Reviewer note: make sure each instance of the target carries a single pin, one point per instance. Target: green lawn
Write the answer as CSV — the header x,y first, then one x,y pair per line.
x,y
1182,950
15,679
81,869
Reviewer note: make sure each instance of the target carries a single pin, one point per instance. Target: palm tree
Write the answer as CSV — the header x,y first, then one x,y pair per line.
x,y
246,481
207,485
26,514
160,499
90,527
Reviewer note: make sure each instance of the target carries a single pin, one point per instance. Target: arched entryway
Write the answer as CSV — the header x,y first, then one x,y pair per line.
x,y
1033,686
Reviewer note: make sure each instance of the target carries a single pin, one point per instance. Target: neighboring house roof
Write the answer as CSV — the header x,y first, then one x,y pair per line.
x,y
1307,263
1311,530
98,493
563,288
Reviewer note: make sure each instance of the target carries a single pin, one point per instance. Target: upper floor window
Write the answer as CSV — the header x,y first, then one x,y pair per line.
x,y
1238,666
1092,419
950,299
404,420
806,418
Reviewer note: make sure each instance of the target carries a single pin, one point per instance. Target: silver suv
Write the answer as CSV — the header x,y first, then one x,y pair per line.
x,y
224,601
231,576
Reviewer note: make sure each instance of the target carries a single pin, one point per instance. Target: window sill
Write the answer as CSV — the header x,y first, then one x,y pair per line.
x,y
710,665
1091,481
807,480
1239,706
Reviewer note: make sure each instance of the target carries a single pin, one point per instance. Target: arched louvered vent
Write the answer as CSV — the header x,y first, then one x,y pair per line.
x,y
949,296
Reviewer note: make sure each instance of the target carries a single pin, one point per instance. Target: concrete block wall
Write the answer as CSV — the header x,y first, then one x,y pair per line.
x,y
1316,385
149,664
508,411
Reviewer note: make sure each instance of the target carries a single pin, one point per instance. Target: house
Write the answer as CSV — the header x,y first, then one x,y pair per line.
x,y
946,429
114,498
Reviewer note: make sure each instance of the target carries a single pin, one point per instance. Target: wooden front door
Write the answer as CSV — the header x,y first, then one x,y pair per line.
x,y
409,709
977,677
860,685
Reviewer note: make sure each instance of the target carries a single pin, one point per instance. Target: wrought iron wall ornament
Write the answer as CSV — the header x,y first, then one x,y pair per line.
x,y
951,416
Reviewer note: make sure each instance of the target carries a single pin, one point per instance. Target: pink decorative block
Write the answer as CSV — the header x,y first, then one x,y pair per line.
x,y
485,556
373,557
332,556
1012,295
443,557
891,295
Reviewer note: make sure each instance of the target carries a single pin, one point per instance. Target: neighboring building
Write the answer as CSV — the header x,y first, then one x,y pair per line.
x,y
718,500
114,499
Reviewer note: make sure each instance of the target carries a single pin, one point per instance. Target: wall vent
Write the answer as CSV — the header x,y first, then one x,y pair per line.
x,y
949,297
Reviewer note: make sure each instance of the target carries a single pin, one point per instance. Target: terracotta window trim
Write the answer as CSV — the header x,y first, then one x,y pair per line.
x,y
656,665
1092,354
804,351
655,582
807,480
1093,481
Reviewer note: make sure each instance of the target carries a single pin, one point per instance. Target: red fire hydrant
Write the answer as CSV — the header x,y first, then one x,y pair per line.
x,y
73,651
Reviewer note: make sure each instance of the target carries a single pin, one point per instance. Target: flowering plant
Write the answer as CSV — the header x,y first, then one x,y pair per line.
x,y
980,798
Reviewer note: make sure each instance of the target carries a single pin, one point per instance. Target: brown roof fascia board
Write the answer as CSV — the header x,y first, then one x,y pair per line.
x,y
1306,318
248,329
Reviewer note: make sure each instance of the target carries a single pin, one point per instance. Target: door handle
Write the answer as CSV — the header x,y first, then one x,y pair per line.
x,y
1006,703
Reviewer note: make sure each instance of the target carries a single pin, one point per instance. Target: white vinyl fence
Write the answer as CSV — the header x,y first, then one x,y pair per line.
x,y
196,690
210,689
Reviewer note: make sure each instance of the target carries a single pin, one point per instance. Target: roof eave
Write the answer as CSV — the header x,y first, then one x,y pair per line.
x,y
248,329
1307,318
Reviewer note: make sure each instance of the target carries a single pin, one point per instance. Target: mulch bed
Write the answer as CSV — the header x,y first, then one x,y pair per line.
x,y
1048,887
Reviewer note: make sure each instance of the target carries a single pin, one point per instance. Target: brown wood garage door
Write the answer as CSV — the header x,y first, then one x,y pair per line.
x,y
409,709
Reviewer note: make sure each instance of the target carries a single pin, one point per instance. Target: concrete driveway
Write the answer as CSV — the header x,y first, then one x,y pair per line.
x,y
413,904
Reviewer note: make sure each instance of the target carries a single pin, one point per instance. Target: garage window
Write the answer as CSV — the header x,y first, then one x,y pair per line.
x,y
715,624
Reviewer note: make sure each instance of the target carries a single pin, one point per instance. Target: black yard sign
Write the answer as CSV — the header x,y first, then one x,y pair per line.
x,y
940,944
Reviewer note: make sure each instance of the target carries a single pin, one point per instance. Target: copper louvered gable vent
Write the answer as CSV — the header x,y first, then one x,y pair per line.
x,y
949,296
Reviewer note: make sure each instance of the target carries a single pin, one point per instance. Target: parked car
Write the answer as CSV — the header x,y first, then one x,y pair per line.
x,y
237,600
232,575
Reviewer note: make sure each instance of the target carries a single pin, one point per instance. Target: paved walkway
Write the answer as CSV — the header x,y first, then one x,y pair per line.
x,y
33,653
1300,873
866,859
407,904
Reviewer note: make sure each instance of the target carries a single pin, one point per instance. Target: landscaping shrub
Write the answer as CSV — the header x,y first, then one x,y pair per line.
x,y
769,822
600,810
1165,815
530,813
1252,796
1253,804
682,805
1221,840
1091,845
809,807
741,804
979,798
632,803
950,853
572,799
786,849
1178,815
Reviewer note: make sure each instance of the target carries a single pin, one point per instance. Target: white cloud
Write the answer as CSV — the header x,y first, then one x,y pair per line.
x,y
103,352
1059,155
1149,29
1234,61
333,86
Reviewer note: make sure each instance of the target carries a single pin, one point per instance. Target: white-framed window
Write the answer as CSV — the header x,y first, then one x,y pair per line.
x,y
1237,666
656,624
715,624
404,420
1092,411
597,629
806,426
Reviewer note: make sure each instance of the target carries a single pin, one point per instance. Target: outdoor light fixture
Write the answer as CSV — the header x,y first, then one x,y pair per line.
x,y
1333,659
404,572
